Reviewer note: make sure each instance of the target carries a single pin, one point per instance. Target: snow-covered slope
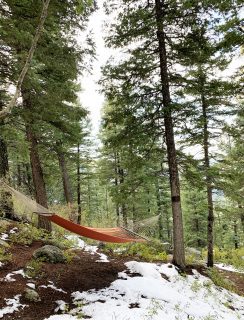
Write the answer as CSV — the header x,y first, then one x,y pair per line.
x,y
150,296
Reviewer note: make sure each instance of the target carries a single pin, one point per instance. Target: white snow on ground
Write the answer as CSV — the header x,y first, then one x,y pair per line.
x,y
14,230
228,267
31,285
61,305
4,236
12,306
152,297
1,264
9,276
62,317
92,249
52,286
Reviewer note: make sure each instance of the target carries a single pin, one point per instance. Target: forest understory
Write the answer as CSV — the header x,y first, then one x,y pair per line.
x,y
89,269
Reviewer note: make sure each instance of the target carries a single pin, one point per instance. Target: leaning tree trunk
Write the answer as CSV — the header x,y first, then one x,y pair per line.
x,y
208,179
178,235
37,173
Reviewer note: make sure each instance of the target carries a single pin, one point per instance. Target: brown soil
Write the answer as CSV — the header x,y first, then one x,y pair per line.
x,y
237,279
82,274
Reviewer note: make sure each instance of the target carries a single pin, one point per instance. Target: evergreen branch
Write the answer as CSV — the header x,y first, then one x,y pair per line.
x,y
6,111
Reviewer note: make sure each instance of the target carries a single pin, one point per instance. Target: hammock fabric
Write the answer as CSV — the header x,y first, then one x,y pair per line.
x,y
116,235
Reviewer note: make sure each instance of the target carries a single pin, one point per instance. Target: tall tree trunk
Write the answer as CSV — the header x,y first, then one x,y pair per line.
x,y
65,178
4,168
19,175
196,223
241,215
66,181
159,209
6,203
27,178
178,235
116,187
37,173
208,179
106,200
235,235
123,205
78,185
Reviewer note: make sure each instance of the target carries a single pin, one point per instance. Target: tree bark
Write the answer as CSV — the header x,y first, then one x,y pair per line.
x,y
116,186
6,111
123,205
236,235
37,173
65,177
208,178
6,203
160,213
66,182
178,235
78,185
27,178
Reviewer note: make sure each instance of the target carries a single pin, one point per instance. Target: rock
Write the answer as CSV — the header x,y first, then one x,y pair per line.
x,y
50,254
167,247
55,243
194,252
4,244
32,295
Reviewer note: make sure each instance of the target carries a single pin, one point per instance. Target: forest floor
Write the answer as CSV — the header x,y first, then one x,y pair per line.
x,y
94,287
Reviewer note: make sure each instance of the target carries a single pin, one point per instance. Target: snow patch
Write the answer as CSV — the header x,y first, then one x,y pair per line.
x,y
62,317
52,286
88,248
152,297
147,270
31,285
12,305
228,267
9,276
14,230
61,305
4,236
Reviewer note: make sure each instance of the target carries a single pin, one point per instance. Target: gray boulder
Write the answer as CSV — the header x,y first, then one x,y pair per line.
x,y
50,254
194,252
32,295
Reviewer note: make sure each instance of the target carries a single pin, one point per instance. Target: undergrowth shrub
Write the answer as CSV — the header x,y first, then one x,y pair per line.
x,y
150,251
33,268
69,255
219,280
26,234
233,257
5,256
3,226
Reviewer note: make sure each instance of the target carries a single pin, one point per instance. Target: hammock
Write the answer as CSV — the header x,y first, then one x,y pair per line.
x,y
115,235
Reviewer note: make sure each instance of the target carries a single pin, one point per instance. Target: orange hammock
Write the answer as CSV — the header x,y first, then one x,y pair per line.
x,y
116,235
